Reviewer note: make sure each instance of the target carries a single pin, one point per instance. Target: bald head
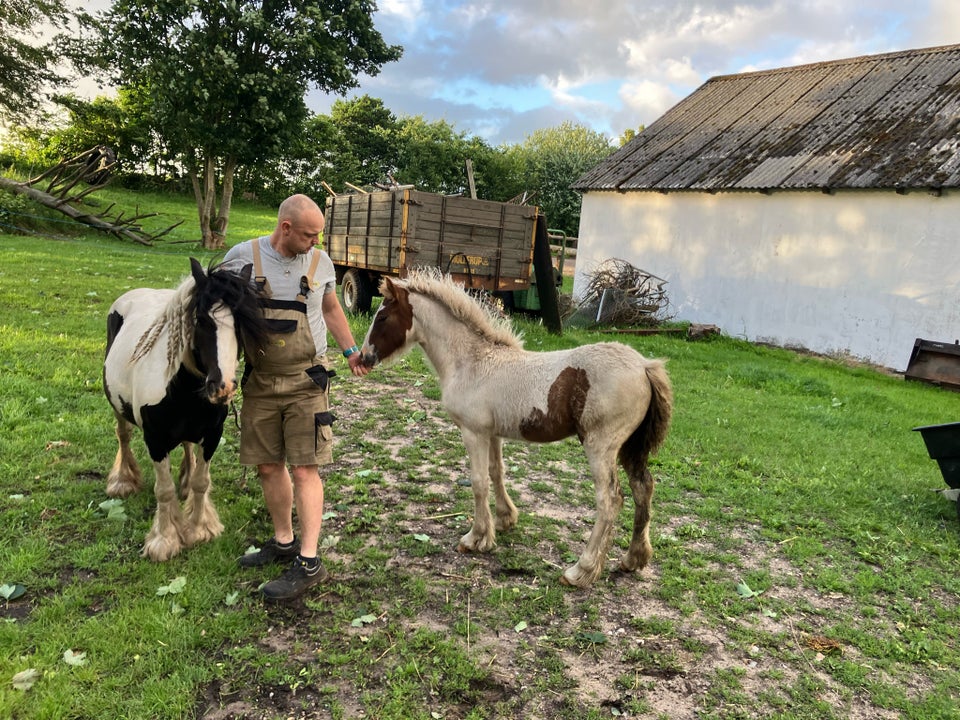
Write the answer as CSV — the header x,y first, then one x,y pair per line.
x,y
295,206
299,224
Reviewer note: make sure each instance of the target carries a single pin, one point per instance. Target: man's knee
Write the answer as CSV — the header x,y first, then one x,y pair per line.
x,y
304,473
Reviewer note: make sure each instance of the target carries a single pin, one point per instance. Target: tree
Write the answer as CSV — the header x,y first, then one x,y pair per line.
x,y
629,134
433,156
24,65
225,81
117,122
365,148
556,157
307,163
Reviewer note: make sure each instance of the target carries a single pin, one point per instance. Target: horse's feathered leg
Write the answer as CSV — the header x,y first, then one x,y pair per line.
x,y
124,477
609,502
201,522
164,539
187,466
506,510
482,536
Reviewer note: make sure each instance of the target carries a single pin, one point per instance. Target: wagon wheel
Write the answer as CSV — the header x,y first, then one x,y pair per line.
x,y
357,292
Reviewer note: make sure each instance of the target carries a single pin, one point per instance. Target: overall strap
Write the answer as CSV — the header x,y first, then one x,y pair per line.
x,y
307,279
258,275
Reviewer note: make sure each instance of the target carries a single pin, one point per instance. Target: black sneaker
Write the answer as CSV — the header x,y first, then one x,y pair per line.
x,y
270,552
295,581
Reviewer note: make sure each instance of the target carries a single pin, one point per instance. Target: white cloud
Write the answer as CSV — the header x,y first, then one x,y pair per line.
x,y
499,67
408,13
647,100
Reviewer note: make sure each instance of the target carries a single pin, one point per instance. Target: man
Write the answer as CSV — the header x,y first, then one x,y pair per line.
x,y
285,417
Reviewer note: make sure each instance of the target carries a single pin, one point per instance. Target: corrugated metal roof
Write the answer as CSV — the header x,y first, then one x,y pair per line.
x,y
881,121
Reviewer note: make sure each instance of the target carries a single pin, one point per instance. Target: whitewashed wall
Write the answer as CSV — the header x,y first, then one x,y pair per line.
x,y
857,272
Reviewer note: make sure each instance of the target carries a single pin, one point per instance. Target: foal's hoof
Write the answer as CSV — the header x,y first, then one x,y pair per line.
x,y
205,533
636,560
575,576
470,543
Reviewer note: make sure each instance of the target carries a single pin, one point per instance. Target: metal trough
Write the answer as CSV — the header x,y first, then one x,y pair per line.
x,y
943,445
934,362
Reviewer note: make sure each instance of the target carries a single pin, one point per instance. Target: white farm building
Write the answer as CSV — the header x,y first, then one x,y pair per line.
x,y
815,206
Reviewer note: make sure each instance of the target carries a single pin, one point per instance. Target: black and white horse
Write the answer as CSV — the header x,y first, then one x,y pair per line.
x,y
171,369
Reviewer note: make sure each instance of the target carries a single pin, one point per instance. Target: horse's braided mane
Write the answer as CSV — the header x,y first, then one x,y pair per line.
x,y
475,312
172,320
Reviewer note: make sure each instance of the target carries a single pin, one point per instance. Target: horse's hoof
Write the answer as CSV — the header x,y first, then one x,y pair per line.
x,y
160,546
195,536
575,577
468,544
159,550
506,523
636,560
117,488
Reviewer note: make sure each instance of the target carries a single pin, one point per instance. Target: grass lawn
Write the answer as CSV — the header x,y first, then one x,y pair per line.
x,y
803,566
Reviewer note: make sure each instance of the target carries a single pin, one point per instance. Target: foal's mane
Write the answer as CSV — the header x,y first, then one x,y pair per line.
x,y
479,315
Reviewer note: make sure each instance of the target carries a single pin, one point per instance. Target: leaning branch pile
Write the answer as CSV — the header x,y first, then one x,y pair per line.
x,y
620,294
63,187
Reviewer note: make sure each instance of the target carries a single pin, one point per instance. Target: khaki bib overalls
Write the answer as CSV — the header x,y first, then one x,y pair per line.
x,y
285,414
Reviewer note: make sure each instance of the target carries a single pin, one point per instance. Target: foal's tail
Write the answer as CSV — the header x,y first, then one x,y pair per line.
x,y
650,434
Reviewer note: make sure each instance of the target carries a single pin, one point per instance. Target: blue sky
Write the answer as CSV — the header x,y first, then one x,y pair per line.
x,y
502,69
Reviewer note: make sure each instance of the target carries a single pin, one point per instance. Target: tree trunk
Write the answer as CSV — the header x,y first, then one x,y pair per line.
x,y
213,222
200,199
219,227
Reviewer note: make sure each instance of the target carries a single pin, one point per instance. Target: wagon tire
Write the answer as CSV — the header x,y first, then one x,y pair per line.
x,y
357,292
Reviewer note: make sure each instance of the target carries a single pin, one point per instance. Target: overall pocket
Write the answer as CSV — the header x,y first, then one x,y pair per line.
x,y
324,428
320,376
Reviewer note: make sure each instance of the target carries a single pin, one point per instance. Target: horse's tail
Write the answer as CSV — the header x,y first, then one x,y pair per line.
x,y
652,431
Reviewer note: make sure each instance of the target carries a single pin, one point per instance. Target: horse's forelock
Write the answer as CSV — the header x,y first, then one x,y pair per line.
x,y
479,315
235,290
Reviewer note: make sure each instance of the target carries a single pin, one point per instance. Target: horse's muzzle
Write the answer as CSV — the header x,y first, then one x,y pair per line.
x,y
219,392
369,357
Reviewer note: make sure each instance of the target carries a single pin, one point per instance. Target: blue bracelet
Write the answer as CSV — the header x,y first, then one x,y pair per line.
x,y
350,351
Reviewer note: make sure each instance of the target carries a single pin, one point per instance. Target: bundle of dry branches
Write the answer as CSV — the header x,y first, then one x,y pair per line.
x,y
620,294
70,181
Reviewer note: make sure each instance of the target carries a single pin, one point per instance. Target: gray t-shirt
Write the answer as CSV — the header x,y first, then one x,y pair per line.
x,y
284,275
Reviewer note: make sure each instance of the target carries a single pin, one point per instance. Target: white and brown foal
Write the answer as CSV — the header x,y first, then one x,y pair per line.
x,y
616,402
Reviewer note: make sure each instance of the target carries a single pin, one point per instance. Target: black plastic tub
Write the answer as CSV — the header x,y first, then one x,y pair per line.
x,y
943,445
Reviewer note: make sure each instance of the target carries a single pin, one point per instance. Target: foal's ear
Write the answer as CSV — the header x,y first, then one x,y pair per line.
x,y
387,287
196,269
246,272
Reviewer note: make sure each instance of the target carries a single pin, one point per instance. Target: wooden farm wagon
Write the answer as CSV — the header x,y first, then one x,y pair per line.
x,y
502,248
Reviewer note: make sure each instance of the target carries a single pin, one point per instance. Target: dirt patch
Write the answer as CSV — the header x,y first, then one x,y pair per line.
x,y
618,648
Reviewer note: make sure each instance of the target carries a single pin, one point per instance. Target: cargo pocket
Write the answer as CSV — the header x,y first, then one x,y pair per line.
x,y
320,376
324,428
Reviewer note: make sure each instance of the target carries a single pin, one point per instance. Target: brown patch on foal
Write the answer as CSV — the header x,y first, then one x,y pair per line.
x,y
565,403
